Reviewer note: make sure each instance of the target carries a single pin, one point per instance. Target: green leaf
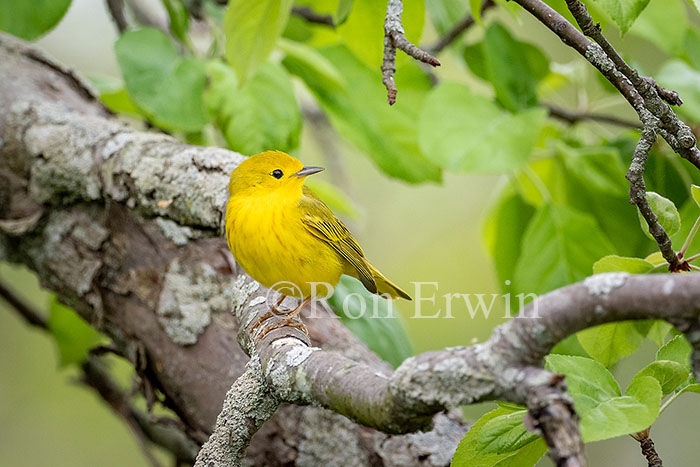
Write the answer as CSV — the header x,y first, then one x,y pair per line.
x,y
363,31
167,87
665,210
261,115
379,325
663,23
513,69
614,263
342,12
601,169
503,231
694,387
696,4
73,336
179,18
573,243
610,342
622,12
475,8
446,13
114,96
669,374
691,47
468,454
315,63
252,30
695,191
505,433
466,132
676,350
359,112
680,77
30,19
604,412
654,330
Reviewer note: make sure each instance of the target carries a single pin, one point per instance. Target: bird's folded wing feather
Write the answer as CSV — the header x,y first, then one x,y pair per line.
x,y
321,222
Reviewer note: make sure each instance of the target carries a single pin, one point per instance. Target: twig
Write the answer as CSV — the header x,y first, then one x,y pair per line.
x,y
457,30
28,312
638,196
248,404
572,117
648,449
394,38
551,414
310,16
116,11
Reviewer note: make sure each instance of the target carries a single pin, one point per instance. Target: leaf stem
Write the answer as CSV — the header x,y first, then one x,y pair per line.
x,y
690,238
539,184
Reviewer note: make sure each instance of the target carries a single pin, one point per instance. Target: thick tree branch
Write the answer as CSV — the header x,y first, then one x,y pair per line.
x,y
394,38
91,206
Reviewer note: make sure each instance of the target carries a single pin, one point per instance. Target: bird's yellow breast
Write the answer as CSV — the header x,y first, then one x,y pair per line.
x,y
269,241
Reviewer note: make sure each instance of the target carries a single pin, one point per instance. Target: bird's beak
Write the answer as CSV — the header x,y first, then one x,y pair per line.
x,y
308,171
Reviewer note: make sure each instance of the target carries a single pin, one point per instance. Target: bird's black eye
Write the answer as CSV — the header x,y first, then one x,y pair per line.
x,y
277,173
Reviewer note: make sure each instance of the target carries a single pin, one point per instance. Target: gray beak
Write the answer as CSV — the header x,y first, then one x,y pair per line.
x,y
309,171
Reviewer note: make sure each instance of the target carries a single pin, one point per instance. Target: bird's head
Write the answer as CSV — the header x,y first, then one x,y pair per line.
x,y
270,171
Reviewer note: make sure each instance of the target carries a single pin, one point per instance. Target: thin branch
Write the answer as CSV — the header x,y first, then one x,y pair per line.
x,y
116,11
573,117
310,16
28,312
458,29
249,403
638,196
394,38
648,449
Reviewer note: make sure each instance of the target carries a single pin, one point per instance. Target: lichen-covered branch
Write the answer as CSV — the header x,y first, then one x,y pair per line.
x,y
247,406
395,38
122,225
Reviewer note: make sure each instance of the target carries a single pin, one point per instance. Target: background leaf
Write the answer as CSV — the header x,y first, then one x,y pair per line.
x,y
252,30
383,331
166,86
467,132
614,263
30,19
610,342
73,336
623,12
505,433
573,243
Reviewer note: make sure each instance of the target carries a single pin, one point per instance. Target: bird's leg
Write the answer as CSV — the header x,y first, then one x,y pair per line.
x,y
288,320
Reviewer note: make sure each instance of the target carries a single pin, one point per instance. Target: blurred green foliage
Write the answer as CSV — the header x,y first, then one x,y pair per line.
x,y
561,212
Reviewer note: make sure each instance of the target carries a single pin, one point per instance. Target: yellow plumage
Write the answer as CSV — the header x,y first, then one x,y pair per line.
x,y
280,231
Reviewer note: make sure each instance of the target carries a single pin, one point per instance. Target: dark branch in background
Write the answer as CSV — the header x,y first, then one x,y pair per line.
x,y
310,16
648,449
116,11
457,30
573,117
144,427
394,38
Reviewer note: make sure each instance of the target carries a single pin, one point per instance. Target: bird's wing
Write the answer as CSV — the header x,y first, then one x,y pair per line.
x,y
320,221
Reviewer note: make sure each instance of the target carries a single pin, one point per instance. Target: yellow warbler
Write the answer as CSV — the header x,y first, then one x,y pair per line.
x,y
280,232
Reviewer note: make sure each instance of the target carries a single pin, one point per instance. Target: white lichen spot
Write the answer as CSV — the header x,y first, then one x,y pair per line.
x,y
190,294
298,355
601,285
239,291
257,301
179,234
668,287
599,310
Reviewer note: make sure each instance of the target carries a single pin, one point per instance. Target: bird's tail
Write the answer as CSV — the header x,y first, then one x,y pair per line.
x,y
385,286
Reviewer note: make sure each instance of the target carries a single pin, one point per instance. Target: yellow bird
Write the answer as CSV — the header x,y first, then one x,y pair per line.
x,y
280,232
